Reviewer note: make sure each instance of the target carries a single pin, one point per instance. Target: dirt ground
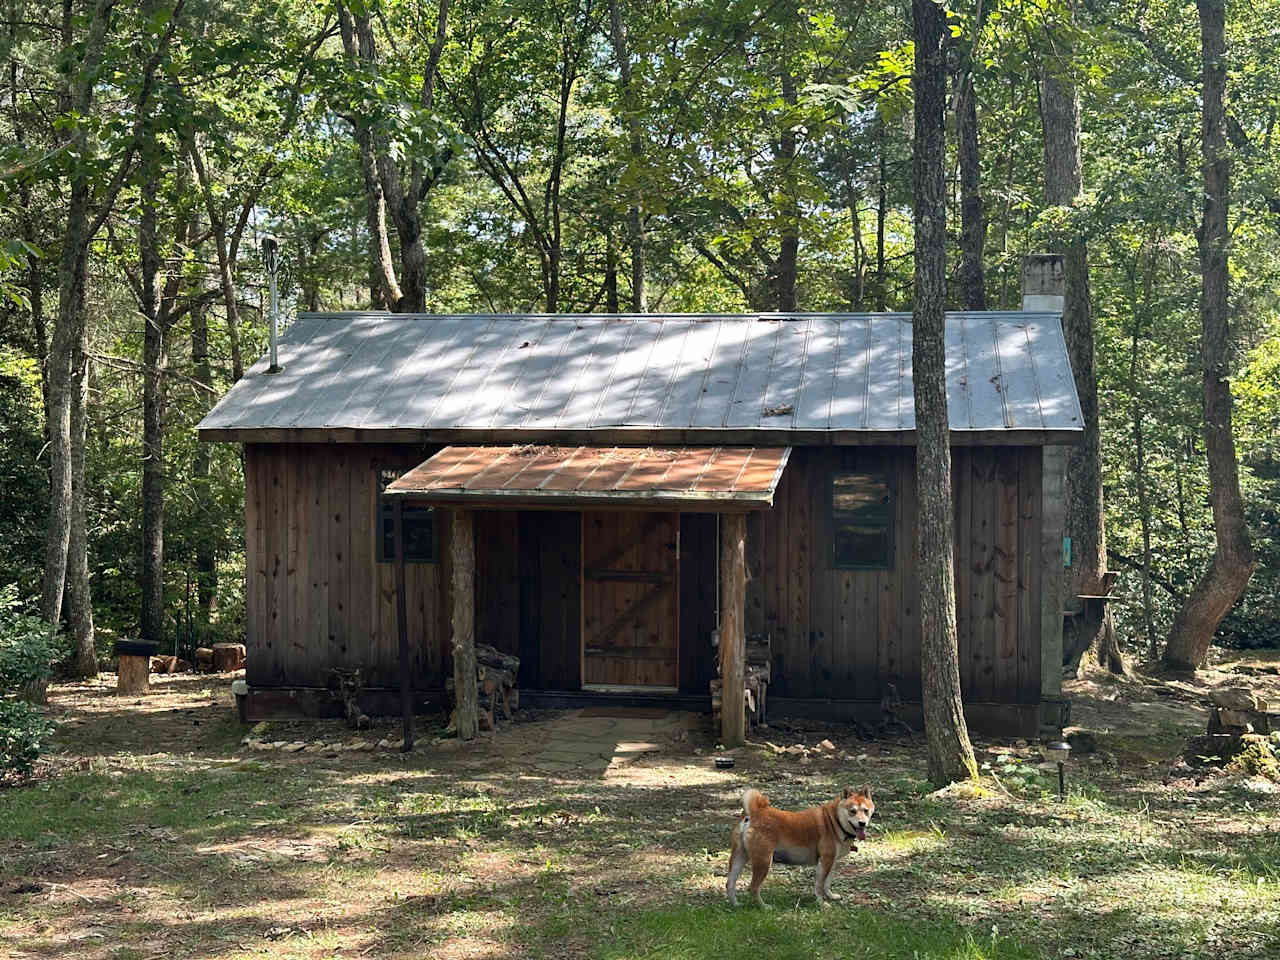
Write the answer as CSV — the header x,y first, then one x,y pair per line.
x,y
152,831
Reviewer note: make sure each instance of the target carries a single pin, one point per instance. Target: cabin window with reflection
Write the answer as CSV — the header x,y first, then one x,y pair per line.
x,y
419,527
862,521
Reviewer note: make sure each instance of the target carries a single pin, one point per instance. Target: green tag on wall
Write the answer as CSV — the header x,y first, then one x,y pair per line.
x,y
1066,551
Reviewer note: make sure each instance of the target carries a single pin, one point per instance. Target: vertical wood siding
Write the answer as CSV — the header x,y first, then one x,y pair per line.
x,y
316,598
845,634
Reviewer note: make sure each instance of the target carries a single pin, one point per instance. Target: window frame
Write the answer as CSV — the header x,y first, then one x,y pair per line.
x,y
888,523
384,512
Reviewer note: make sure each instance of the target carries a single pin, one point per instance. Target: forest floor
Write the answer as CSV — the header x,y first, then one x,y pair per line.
x,y
152,831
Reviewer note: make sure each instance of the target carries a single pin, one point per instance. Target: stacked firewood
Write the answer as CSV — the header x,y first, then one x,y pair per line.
x,y
757,673
496,690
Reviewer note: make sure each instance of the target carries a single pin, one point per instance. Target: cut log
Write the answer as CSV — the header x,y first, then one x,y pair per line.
x,y
228,657
492,657
134,675
164,663
204,659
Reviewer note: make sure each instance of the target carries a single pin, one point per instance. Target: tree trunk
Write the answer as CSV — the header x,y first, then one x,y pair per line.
x,y
973,225
67,333
79,597
787,264
635,221
1233,560
1084,524
610,273
949,750
882,213
1139,454
154,358
206,560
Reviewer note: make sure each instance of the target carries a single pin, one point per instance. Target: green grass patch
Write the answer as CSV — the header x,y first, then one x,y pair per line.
x,y
688,933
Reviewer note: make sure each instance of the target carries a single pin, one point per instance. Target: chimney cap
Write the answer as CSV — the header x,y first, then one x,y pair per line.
x,y
1044,282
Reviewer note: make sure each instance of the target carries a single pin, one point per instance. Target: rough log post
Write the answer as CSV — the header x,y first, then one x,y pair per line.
x,y
463,554
402,627
733,638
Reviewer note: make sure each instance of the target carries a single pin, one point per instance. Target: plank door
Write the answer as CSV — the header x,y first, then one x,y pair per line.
x,y
630,586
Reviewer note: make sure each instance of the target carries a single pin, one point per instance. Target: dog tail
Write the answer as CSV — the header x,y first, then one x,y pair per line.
x,y
753,800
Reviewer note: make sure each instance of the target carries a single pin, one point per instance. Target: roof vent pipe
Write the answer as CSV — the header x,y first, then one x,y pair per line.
x,y
1044,283
271,259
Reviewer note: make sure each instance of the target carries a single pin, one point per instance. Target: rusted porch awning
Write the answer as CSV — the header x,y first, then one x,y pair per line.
x,y
709,479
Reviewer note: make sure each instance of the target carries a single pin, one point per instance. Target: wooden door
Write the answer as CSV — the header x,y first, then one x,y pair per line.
x,y
630,586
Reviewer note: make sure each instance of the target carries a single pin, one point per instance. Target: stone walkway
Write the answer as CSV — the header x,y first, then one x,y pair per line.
x,y
585,743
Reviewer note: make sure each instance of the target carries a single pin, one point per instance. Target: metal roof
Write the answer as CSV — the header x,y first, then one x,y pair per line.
x,y
690,477
514,376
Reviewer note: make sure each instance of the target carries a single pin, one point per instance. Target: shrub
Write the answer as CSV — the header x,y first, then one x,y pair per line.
x,y
22,727
28,653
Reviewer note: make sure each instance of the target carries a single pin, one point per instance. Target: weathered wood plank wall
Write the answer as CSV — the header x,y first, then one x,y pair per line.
x,y
844,634
316,598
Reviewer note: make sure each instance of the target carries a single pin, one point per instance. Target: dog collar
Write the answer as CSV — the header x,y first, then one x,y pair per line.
x,y
848,837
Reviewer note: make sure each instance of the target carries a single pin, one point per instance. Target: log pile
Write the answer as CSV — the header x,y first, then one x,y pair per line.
x,y
347,686
496,692
757,674
228,657
163,663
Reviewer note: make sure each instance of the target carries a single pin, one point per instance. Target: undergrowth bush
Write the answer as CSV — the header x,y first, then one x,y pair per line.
x,y
28,655
23,727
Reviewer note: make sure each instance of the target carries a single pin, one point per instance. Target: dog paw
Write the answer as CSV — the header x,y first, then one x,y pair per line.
x,y
834,896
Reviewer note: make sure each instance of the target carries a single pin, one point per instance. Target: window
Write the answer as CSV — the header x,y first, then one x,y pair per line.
x,y
419,527
862,521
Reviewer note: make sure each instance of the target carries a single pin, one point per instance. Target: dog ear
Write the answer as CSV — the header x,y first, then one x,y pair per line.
x,y
866,792
846,793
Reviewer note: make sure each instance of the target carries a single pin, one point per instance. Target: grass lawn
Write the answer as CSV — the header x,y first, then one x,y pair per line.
x,y
154,833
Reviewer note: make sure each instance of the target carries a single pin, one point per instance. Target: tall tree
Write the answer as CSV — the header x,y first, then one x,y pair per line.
x,y
389,188
1233,562
635,146
89,204
973,224
950,752
1063,182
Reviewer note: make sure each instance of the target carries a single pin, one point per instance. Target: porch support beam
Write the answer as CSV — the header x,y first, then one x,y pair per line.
x,y
733,638
462,552
402,628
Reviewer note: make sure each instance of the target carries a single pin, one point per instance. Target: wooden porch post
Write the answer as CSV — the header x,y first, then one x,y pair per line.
x,y
733,638
463,554
402,627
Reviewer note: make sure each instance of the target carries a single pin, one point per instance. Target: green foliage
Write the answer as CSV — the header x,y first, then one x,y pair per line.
x,y
22,475
28,653
23,727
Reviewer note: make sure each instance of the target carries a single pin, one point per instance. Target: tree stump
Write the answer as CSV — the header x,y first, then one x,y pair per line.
x,y
228,657
134,676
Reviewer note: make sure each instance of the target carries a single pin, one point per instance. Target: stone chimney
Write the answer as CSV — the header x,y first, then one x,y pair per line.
x,y
1044,282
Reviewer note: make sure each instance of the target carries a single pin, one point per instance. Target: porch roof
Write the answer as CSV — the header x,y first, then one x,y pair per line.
x,y
712,479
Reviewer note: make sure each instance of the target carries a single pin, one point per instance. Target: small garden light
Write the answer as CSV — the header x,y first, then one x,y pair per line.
x,y
1060,751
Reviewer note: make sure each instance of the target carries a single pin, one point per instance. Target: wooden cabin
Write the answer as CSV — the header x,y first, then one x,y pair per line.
x,y
598,461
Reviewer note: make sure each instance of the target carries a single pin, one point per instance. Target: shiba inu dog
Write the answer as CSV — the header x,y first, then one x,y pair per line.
x,y
820,836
